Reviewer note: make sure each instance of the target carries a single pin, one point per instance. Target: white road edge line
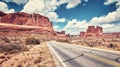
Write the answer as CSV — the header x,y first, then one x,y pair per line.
x,y
57,55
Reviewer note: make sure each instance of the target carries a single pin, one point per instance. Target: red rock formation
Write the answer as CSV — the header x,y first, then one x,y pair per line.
x,y
92,31
113,35
99,31
61,34
25,22
2,14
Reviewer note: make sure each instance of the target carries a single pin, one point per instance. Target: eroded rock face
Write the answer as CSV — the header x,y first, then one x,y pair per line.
x,y
112,35
92,31
24,20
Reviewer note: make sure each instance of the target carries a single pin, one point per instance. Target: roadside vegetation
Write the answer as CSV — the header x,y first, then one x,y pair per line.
x,y
32,41
12,48
104,43
63,40
24,52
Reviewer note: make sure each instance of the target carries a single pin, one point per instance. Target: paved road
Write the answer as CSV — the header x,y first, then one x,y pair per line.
x,y
78,56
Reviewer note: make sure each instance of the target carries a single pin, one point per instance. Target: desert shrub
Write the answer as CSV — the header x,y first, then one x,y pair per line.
x,y
38,59
6,40
118,49
12,48
29,41
111,45
63,40
90,45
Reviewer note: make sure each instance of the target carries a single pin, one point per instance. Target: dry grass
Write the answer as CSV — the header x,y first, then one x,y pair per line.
x,y
118,49
37,56
104,43
12,48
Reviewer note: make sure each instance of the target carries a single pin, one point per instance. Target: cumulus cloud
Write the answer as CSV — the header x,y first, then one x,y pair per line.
x,y
4,8
19,2
73,3
56,28
86,0
54,17
109,22
110,2
74,26
34,6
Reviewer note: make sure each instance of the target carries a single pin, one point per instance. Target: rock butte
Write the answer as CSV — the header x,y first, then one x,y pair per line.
x,y
92,31
24,22
97,31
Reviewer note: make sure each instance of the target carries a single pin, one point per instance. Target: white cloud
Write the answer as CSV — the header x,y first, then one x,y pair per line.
x,y
74,26
108,26
111,17
4,8
110,2
54,17
19,2
111,27
56,28
86,0
73,3
34,6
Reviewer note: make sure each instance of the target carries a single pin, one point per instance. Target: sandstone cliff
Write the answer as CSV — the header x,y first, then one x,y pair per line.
x,y
25,20
23,24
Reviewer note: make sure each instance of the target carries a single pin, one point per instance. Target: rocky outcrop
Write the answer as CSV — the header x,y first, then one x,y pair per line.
x,y
97,31
92,31
61,34
112,35
25,22
2,14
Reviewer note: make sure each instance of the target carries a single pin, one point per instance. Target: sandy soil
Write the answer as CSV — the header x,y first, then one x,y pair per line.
x,y
37,56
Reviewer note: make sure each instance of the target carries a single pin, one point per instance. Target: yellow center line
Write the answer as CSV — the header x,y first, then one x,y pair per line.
x,y
103,60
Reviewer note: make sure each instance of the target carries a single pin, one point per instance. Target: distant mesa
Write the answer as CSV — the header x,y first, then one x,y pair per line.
x,y
62,33
97,31
92,31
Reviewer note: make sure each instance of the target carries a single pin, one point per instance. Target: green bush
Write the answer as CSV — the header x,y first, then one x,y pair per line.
x,y
29,41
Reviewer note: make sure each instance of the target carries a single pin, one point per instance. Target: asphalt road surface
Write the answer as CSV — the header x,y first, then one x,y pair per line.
x,y
79,56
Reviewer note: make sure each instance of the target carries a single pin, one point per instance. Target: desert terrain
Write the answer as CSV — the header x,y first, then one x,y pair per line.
x,y
15,53
24,40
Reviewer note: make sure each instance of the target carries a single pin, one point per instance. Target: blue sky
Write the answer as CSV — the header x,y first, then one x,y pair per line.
x,y
72,16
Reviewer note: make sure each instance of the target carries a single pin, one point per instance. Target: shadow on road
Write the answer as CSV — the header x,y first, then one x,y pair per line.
x,y
73,58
